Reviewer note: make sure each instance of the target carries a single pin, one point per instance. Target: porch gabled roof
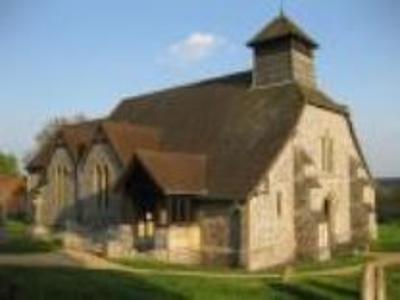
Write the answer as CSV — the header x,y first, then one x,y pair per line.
x,y
175,173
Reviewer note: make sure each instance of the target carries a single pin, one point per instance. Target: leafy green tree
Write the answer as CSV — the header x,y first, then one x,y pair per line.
x,y
8,164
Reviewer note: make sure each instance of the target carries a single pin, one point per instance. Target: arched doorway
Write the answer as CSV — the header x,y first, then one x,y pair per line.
x,y
325,230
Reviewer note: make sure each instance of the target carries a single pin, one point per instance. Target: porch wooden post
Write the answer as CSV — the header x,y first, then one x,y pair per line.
x,y
188,205
169,210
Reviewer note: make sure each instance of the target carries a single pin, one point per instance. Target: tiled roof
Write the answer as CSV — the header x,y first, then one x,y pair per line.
x,y
75,137
239,129
175,173
281,27
126,138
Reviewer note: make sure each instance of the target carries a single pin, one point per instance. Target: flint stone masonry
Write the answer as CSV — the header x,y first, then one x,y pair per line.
x,y
53,210
272,237
87,204
121,245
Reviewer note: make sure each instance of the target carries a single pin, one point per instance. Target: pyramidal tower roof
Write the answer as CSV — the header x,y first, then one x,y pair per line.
x,y
281,27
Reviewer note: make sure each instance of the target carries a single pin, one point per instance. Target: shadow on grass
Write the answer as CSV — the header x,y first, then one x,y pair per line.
x,y
69,283
17,240
295,291
333,288
27,245
315,289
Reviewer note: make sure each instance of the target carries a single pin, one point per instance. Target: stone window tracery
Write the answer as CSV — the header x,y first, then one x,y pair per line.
x,y
101,185
61,174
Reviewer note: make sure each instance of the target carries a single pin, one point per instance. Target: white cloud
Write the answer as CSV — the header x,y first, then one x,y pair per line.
x,y
195,47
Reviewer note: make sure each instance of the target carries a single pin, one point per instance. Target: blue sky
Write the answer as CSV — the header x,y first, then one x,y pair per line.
x,y
63,57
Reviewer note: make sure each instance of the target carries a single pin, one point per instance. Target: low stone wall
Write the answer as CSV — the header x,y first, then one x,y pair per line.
x,y
122,243
40,232
74,241
176,244
184,244
115,242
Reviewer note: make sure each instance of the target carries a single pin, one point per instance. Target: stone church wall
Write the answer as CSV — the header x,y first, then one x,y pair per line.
x,y
271,231
336,185
270,223
274,240
87,203
55,211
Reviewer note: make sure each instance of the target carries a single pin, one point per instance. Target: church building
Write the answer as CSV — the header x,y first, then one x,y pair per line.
x,y
253,169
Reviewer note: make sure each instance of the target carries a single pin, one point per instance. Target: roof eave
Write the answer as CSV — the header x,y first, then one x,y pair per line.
x,y
255,42
181,193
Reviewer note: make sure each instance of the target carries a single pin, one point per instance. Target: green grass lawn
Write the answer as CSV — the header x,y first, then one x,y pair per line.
x,y
64,283
337,262
69,283
19,241
393,282
389,237
153,264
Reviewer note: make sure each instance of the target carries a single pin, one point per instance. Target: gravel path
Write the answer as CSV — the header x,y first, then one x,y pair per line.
x,y
386,259
54,259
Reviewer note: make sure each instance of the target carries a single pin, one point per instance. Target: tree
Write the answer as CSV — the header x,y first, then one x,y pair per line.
x,y
8,164
52,126
49,130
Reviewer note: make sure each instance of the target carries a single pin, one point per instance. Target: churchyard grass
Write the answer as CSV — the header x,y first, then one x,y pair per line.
x,y
389,237
69,283
301,267
393,282
18,241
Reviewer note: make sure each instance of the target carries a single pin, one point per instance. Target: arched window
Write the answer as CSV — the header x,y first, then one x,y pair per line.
x,y
279,204
56,186
64,185
106,186
101,185
61,185
327,209
97,177
327,153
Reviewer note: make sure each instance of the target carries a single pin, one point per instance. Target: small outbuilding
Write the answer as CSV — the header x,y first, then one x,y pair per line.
x,y
12,196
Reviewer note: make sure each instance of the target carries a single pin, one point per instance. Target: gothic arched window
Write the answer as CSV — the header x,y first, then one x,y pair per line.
x,y
101,185
61,185
106,186
327,209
